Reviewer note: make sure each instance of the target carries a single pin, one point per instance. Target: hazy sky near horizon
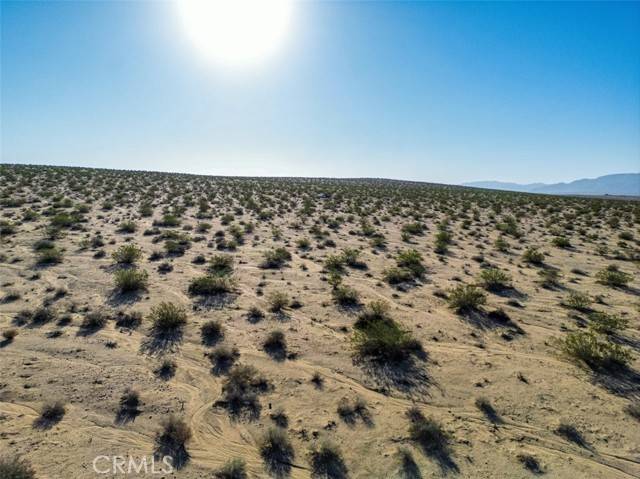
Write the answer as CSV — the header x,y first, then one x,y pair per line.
x,y
443,92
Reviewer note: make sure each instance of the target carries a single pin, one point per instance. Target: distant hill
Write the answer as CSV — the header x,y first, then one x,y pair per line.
x,y
624,184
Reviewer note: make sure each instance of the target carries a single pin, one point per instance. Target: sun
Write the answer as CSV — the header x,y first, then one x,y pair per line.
x,y
236,32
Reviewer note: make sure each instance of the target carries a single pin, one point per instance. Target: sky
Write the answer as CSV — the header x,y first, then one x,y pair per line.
x,y
440,92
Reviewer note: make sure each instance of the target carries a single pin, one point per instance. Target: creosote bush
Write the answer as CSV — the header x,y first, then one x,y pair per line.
x,y
612,276
211,285
595,350
494,279
233,469
464,298
12,467
127,254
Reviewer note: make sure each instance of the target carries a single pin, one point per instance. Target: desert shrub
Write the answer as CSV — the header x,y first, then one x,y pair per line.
x,y
233,469
561,242
278,300
577,300
241,388
129,401
51,413
223,357
275,258
531,463
570,433
43,315
167,317
595,350
345,295
427,433
334,263
172,440
466,298
487,409
221,265
411,259
382,339
501,245
211,331
255,314
168,221
12,467
326,461
495,279
415,228
210,285
303,243
276,450
606,323
127,254
94,320
49,256
397,275
549,277
350,257
127,280
350,410
166,369
633,410
275,344
9,334
612,276
127,227
533,256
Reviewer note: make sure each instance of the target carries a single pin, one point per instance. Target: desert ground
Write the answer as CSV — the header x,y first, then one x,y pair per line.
x,y
288,327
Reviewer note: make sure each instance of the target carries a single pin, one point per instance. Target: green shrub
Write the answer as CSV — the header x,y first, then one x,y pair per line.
x,y
210,285
495,279
533,256
275,258
127,254
211,332
167,317
612,276
382,339
278,300
578,301
397,275
221,265
606,323
345,295
466,298
595,350
127,227
49,256
412,260
549,277
127,280
561,242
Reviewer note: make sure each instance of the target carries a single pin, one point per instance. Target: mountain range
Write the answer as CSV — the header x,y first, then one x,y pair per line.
x,y
623,184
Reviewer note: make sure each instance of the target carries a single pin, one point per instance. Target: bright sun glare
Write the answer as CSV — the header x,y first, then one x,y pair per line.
x,y
236,32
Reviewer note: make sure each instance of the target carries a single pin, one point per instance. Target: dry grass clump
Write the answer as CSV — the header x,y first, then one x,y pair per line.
x,y
427,433
9,334
166,369
409,267
533,256
275,344
94,320
221,265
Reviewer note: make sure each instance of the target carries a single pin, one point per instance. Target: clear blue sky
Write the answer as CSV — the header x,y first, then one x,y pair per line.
x,y
446,92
